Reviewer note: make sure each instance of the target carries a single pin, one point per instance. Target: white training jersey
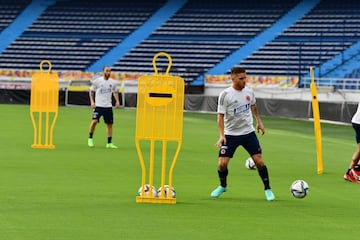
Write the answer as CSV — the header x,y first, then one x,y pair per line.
x,y
236,107
103,91
356,117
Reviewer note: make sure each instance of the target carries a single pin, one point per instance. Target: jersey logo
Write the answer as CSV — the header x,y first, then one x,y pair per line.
x,y
241,109
105,90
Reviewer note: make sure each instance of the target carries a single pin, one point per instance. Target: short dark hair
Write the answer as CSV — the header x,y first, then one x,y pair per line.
x,y
106,66
236,70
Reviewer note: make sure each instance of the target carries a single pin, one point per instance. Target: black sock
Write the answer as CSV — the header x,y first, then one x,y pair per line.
x,y
264,175
109,139
222,176
91,135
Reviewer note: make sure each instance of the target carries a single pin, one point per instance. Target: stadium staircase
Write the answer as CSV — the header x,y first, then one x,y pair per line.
x,y
354,74
135,38
335,27
10,11
262,38
75,34
15,18
201,34
339,66
318,37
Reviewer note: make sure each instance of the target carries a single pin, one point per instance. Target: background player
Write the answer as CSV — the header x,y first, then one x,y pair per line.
x,y
103,88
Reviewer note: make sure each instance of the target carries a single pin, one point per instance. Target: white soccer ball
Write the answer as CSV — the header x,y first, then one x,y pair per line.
x,y
166,191
299,189
147,191
250,164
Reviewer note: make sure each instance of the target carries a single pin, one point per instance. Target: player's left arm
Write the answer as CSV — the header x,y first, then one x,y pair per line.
x,y
116,96
259,125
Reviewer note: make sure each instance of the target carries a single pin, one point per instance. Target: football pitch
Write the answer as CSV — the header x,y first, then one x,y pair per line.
x,y
74,192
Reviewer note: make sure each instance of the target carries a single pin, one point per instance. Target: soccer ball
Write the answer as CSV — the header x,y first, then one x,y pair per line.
x,y
147,191
299,188
250,164
166,191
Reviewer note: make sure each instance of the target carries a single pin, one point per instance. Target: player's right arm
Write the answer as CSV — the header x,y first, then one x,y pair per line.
x,y
221,110
92,98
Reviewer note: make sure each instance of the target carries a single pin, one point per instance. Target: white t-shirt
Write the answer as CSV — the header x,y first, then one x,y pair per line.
x,y
236,107
356,117
103,91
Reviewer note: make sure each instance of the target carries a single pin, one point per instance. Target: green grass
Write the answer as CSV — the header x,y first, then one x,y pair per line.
x,y
73,192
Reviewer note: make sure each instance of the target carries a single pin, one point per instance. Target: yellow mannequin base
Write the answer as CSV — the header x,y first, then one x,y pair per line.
x,y
155,200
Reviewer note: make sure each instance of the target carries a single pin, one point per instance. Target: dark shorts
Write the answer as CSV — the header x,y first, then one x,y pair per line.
x,y
106,113
357,131
249,142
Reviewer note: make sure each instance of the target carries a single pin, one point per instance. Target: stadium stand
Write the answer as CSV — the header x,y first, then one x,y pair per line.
x,y
138,35
328,30
354,74
75,34
9,11
203,33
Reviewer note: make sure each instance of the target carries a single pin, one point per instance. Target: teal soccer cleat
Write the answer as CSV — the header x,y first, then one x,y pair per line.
x,y
218,191
269,195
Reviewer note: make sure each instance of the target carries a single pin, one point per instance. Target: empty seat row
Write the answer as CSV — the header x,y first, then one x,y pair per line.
x,y
9,10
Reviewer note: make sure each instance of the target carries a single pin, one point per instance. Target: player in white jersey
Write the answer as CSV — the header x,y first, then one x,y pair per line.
x,y
236,109
353,172
101,91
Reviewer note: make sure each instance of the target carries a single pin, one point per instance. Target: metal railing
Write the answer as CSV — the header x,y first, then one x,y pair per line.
x,y
335,83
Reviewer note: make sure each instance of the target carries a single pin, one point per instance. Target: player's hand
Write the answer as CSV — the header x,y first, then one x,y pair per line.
x,y
117,104
260,128
93,105
220,141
